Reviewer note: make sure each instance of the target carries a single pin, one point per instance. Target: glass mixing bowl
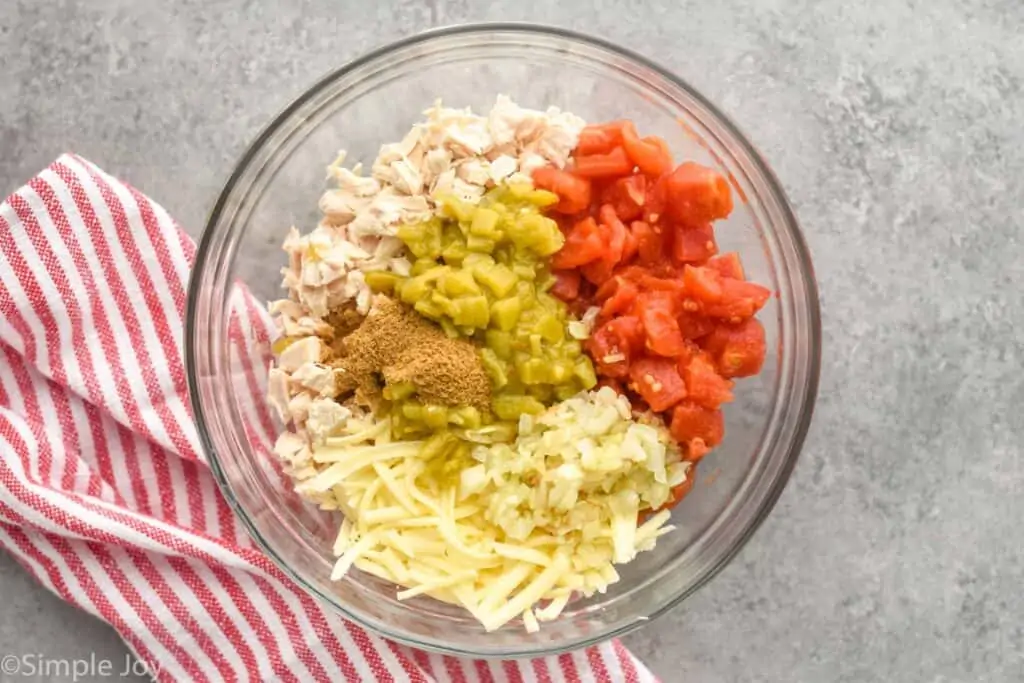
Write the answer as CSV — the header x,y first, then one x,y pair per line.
x,y
374,100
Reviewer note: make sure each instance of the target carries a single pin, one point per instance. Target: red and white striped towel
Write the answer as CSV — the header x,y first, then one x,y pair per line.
x,y
105,496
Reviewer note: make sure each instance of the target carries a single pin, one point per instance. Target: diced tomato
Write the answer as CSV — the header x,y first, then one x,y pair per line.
x,y
664,337
738,350
656,277
609,288
582,245
696,449
657,299
615,231
694,244
729,265
656,200
629,247
667,270
690,351
634,273
663,151
694,325
715,342
613,235
629,331
604,343
703,284
669,284
657,312
650,242
739,300
567,284
703,383
599,138
658,382
614,367
573,191
597,271
650,154
627,196
692,421
676,318
696,194
611,165
614,343
662,284
584,300
621,300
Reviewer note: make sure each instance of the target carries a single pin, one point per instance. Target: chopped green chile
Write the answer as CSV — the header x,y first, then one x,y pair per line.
x,y
511,407
480,272
412,418
381,281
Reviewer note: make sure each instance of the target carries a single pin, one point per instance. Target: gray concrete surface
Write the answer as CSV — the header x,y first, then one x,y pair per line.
x,y
896,126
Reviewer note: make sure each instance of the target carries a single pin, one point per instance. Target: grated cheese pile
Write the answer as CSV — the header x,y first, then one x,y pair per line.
x,y
506,526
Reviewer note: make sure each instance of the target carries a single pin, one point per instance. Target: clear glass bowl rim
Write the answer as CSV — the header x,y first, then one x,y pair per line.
x,y
789,223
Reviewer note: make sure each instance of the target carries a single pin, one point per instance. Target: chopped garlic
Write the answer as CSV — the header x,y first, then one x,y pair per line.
x,y
582,328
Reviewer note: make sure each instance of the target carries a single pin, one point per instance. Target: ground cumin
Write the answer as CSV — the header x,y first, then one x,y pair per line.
x,y
395,343
343,321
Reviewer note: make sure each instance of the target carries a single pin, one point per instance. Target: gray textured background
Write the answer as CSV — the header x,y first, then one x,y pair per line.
x,y
897,128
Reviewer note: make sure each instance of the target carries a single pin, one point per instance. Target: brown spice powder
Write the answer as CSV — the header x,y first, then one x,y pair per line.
x,y
397,344
344,321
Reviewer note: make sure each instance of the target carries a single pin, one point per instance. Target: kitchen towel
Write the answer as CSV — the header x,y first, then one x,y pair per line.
x,y
105,495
